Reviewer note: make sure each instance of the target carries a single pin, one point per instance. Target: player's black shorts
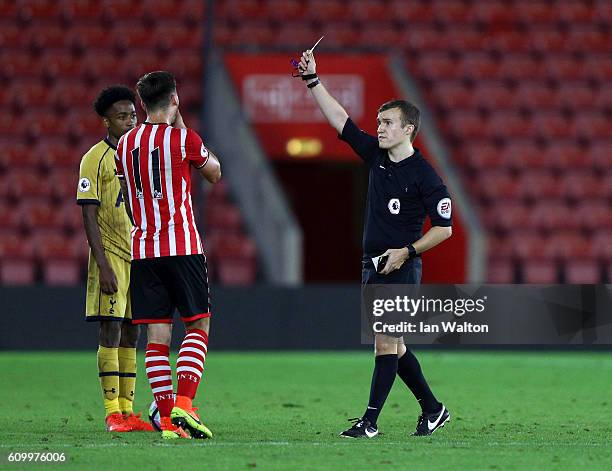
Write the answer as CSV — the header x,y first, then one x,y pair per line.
x,y
160,285
408,274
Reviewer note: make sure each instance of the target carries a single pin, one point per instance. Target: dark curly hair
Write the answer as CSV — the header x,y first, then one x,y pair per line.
x,y
111,95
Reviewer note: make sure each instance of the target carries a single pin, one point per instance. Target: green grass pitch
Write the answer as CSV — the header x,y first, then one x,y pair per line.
x,y
284,411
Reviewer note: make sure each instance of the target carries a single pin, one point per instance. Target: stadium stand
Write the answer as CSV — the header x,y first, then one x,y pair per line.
x,y
519,92
56,56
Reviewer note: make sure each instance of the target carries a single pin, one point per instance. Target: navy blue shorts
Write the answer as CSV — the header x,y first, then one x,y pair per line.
x,y
408,274
159,286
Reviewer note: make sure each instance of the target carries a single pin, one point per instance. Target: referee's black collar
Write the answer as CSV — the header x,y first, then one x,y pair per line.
x,y
408,160
109,144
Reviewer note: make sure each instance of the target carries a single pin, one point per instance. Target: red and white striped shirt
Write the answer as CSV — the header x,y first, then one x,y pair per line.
x,y
156,161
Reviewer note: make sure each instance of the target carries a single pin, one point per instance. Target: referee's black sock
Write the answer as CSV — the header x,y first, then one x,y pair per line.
x,y
385,368
409,369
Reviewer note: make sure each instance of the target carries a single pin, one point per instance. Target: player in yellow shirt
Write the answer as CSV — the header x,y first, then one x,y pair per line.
x,y
108,227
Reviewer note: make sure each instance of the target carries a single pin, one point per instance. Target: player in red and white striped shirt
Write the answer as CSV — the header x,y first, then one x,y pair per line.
x,y
169,269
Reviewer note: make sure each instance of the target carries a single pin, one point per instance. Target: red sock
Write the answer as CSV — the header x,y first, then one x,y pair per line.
x,y
159,373
190,363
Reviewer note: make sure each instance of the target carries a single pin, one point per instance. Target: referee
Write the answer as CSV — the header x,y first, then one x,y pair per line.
x,y
403,188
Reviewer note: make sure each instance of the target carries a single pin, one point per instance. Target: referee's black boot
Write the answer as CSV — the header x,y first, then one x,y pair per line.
x,y
429,423
362,428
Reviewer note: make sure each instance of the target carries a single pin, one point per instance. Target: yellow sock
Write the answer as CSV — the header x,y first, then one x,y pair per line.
x,y
127,379
108,371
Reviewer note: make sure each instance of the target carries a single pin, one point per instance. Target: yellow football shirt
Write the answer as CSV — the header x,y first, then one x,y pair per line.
x,y
99,185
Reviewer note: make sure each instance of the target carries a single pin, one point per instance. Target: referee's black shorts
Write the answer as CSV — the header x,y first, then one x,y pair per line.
x,y
408,274
160,285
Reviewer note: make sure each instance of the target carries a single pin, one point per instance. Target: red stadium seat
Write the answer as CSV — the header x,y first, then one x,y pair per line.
x,y
500,271
419,11
576,95
581,185
528,245
538,11
173,35
11,34
602,245
223,217
603,11
14,245
553,215
130,34
18,63
548,40
496,184
325,10
47,34
450,11
56,153
39,214
218,193
566,155
479,65
595,215
483,155
184,65
367,11
551,125
593,125
600,154
10,216
87,35
493,13
17,155
58,63
17,272
522,154
284,10
436,65
79,10
515,41
538,184
466,124
535,94
28,183
341,35
423,38
568,245
460,40
564,67
29,93
117,9
452,94
598,66
509,124
522,67
239,9
40,9
577,12
61,272
588,39
539,271
296,34
499,247
64,183
378,35
493,95
582,271
510,215
236,272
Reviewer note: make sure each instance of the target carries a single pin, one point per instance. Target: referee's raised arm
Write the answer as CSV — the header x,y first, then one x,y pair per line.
x,y
332,110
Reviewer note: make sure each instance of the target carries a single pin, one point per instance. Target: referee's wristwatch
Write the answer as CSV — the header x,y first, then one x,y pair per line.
x,y
412,253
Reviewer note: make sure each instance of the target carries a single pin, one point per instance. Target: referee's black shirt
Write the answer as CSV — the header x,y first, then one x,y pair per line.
x,y
400,195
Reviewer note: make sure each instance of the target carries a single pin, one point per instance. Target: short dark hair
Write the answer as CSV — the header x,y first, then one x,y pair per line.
x,y
410,114
111,95
155,89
